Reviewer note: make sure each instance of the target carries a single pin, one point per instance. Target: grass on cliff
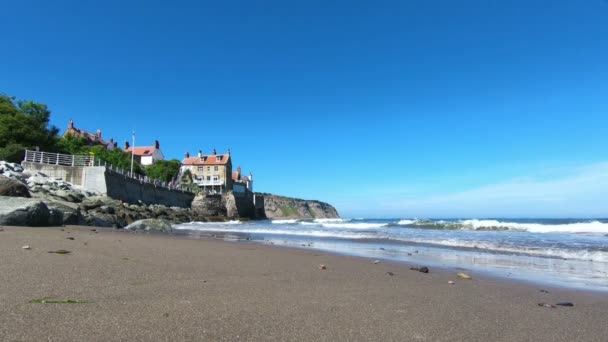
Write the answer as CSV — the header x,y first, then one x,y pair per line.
x,y
310,212
289,211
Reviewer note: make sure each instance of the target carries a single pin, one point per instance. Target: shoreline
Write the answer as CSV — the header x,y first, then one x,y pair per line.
x,y
173,287
509,266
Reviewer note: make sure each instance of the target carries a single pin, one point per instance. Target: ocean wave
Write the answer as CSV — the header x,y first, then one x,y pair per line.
x,y
269,231
581,254
284,221
361,225
330,220
196,223
593,227
406,222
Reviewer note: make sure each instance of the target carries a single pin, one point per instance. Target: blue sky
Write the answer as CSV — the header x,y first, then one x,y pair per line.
x,y
383,108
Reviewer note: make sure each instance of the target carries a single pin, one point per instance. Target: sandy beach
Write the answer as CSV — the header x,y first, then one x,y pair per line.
x,y
143,287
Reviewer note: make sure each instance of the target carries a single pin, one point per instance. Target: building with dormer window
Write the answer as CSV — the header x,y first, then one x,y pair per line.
x,y
146,155
213,173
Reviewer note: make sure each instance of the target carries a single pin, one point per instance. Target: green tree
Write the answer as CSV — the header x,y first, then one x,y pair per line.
x,y
24,125
186,177
117,157
164,170
70,144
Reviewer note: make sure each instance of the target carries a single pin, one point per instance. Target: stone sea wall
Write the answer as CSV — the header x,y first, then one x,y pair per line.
x,y
130,190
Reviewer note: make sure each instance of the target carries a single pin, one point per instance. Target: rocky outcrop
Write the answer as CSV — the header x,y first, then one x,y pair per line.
x,y
209,205
13,187
56,202
19,211
242,206
151,225
279,207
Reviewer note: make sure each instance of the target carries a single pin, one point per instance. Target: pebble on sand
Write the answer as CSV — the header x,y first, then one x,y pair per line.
x,y
376,261
564,304
451,282
26,247
390,273
420,269
546,305
60,251
464,276
322,267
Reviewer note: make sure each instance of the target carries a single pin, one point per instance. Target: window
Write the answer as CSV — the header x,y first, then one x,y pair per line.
x,y
217,168
208,178
200,169
219,158
216,178
208,168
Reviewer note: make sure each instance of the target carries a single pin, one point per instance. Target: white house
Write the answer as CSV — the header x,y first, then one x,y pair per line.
x,y
146,155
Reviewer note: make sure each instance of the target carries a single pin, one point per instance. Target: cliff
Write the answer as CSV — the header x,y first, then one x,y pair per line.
x,y
279,207
233,207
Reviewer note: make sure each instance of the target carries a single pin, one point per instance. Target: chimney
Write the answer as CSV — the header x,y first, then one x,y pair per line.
x,y
99,133
200,154
238,173
71,124
228,151
112,141
214,152
187,154
127,145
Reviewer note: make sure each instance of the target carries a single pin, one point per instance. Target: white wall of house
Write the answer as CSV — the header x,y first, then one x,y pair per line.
x,y
149,160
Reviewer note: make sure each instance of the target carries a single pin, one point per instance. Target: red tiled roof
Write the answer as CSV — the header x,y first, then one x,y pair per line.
x,y
235,176
142,151
81,133
207,160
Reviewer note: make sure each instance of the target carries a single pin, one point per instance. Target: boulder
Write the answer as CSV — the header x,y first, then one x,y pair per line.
x,y
71,212
151,224
98,201
67,195
19,211
6,166
100,220
208,205
13,187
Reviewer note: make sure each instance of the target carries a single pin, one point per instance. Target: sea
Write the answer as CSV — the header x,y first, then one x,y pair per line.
x,y
570,253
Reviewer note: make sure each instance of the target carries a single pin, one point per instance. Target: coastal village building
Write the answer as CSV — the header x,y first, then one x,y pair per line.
x,y
146,155
92,139
212,172
240,182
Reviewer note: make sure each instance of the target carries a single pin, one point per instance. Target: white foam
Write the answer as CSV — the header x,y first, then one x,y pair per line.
x,y
361,225
284,221
406,222
585,255
330,220
354,225
207,223
578,227
294,232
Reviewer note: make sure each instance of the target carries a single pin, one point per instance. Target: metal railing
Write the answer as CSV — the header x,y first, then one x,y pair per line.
x,y
59,159
90,160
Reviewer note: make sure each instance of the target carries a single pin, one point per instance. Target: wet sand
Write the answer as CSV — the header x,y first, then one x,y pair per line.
x,y
143,287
